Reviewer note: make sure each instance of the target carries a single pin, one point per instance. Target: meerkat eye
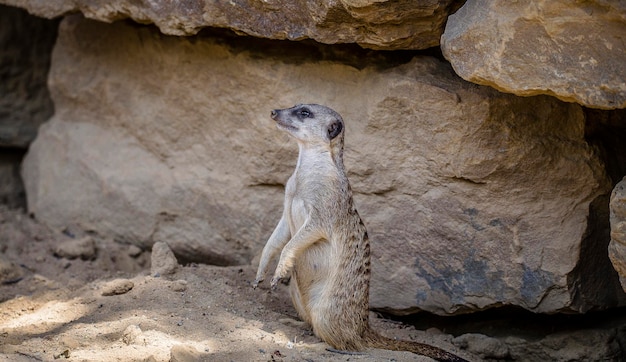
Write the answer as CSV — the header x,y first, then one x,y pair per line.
x,y
304,113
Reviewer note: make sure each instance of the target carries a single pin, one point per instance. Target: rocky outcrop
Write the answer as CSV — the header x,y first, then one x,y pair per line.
x,y
571,50
617,247
467,193
376,24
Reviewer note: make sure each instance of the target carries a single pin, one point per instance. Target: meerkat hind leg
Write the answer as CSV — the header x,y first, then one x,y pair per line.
x,y
298,299
309,278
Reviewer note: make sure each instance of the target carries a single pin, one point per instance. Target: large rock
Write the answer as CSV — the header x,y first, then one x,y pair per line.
x,y
473,198
572,50
617,247
377,24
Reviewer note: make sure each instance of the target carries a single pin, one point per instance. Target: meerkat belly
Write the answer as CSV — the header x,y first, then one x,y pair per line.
x,y
310,278
297,214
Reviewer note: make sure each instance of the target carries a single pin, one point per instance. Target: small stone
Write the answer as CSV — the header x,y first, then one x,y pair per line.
x,y
163,260
117,286
617,246
134,251
178,285
484,346
64,354
84,248
182,353
9,272
434,331
131,334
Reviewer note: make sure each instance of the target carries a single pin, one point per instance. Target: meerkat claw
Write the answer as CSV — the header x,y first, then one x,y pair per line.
x,y
274,282
256,282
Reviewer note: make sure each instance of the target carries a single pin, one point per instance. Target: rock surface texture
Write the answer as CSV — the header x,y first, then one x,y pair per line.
x,y
467,193
572,50
377,24
617,247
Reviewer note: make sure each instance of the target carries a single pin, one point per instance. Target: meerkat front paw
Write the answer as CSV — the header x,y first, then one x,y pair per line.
x,y
280,274
256,282
274,282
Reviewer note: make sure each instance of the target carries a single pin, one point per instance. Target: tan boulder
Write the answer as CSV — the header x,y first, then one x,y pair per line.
x,y
572,50
376,24
617,247
473,198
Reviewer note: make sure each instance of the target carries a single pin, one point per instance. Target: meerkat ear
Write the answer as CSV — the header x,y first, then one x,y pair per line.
x,y
334,129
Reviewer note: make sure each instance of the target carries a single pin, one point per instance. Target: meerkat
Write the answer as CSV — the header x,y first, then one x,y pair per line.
x,y
322,241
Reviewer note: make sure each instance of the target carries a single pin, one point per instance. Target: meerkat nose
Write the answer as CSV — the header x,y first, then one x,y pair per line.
x,y
274,113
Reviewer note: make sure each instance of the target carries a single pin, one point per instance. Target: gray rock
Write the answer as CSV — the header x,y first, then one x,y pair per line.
x,y
117,287
467,193
376,24
483,346
84,248
590,344
134,251
579,345
186,353
617,246
9,272
132,335
569,49
163,260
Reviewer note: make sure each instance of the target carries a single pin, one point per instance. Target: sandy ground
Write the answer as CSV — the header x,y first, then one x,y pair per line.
x,y
111,307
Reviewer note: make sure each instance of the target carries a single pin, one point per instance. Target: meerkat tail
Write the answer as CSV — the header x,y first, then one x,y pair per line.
x,y
376,340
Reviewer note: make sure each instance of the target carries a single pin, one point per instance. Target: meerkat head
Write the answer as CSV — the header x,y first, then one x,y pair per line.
x,y
310,123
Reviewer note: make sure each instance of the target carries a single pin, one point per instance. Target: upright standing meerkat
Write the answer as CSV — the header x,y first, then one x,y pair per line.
x,y
323,242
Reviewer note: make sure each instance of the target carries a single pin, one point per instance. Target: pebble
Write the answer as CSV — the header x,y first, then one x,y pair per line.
x,y
84,248
163,260
117,286
484,346
178,285
131,334
9,272
183,353
134,251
